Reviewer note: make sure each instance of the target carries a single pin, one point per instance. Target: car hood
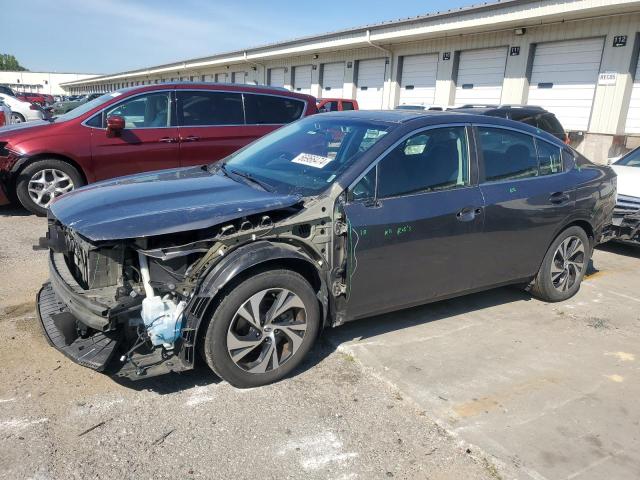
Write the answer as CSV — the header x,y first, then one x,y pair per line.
x,y
628,180
162,202
24,127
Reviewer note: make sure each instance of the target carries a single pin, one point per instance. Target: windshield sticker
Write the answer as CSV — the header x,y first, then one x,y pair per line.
x,y
310,160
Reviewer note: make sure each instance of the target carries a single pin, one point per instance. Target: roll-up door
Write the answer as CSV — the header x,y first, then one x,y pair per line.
x,y
370,83
302,79
332,80
276,77
633,117
480,76
418,80
564,76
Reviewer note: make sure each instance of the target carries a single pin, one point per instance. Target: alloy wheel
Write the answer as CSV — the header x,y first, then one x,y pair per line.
x,y
267,330
15,118
568,263
47,184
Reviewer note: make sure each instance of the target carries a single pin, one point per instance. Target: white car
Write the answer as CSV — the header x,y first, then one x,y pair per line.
x,y
627,212
21,111
5,118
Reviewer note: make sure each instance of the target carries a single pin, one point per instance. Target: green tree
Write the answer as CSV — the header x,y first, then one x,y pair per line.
x,y
9,63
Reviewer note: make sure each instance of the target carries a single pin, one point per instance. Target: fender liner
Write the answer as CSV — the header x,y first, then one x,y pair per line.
x,y
237,261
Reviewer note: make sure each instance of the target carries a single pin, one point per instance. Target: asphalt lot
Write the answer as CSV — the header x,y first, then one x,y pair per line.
x,y
494,385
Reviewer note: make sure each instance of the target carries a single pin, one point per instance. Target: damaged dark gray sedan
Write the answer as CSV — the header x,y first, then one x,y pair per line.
x,y
333,218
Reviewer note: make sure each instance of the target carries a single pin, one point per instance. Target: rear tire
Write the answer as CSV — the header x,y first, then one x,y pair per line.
x,y
40,182
16,117
563,267
262,329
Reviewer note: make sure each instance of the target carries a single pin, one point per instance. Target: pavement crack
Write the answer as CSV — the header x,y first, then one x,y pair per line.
x,y
97,425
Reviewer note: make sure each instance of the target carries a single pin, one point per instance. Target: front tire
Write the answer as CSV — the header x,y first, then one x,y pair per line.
x,y
262,329
16,117
563,267
40,182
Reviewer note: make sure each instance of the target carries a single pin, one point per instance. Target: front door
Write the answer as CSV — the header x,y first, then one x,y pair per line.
x,y
412,238
527,197
148,142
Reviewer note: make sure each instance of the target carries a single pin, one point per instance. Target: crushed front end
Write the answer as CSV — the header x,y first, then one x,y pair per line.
x,y
626,219
100,303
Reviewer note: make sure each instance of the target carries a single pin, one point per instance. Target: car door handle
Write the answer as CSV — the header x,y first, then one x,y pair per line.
x,y
558,198
468,214
190,138
168,140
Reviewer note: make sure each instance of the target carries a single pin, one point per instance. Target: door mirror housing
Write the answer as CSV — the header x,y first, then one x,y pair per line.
x,y
115,125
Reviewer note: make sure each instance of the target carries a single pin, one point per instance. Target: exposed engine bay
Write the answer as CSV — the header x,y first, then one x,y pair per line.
x,y
137,304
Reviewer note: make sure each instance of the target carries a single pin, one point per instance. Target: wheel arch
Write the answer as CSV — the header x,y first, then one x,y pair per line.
x,y
24,162
249,260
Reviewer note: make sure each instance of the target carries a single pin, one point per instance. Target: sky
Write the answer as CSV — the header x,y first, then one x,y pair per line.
x,y
107,36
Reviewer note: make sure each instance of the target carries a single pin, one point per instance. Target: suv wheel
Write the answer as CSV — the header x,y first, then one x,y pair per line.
x,y
563,267
39,183
262,329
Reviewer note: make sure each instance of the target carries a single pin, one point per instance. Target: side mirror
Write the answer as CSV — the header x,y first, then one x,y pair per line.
x,y
115,125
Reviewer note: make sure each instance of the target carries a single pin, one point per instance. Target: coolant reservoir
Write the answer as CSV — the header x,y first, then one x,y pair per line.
x,y
163,319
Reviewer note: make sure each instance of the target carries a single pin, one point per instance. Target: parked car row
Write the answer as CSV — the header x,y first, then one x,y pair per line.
x,y
21,110
64,106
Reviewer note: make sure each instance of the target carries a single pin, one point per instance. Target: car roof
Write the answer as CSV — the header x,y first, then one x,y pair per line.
x,y
231,87
431,117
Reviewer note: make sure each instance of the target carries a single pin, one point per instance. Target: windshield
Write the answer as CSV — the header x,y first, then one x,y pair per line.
x,y
630,160
85,107
306,157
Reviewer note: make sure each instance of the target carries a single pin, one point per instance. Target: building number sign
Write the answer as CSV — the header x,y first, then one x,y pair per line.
x,y
620,41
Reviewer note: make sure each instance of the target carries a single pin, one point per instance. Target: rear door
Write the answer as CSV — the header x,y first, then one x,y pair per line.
x,y
414,239
148,142
211,125
527,196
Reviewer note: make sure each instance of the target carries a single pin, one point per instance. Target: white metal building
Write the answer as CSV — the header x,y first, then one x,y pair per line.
x,y
40,82
577,58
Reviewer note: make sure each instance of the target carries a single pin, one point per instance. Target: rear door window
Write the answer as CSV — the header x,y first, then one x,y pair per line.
x,y
269,109
347,106
549,158
202,108
508,155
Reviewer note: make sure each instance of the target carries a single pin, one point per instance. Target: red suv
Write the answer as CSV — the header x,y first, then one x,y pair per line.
x,y
138,129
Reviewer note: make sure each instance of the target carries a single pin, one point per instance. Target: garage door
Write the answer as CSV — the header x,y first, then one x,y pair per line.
x,y
276,77
239,77
633,117
302,79
370,83
222,77
332,80
480,76
564,77
418,80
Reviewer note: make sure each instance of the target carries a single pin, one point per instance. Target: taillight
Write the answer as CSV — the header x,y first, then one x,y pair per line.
x,y
567,140
33,106
3,119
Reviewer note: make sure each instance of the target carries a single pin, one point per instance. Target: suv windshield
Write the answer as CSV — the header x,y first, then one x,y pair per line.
x,y
85,107
306,156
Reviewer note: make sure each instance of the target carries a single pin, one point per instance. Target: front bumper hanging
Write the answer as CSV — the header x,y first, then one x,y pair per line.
x,y
59,326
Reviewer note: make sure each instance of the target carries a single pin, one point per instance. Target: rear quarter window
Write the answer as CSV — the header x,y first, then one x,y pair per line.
x,y
268,109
